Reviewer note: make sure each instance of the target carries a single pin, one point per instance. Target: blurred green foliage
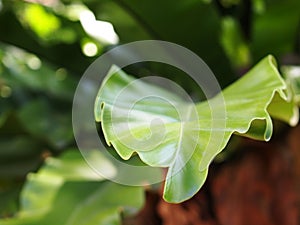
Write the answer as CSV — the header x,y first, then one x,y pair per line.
x,y
43,54
68,191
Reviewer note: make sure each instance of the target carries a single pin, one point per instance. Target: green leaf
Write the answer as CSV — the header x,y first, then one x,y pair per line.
x,y
25,71
43,121
98,203
283,29
70,167
48,23
19,155
292,76
67,191
234,44
188,136
9,193
193,24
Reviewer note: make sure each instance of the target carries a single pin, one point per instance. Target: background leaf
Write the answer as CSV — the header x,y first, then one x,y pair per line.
x,y
67,191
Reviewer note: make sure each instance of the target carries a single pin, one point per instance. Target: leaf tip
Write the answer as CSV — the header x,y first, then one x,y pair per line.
x,y
272,60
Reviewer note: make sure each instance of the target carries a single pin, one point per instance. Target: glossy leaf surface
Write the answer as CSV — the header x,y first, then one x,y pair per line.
x,y
183,136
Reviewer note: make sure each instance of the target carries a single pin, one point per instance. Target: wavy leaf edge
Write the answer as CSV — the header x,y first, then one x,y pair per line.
x,y
280,88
